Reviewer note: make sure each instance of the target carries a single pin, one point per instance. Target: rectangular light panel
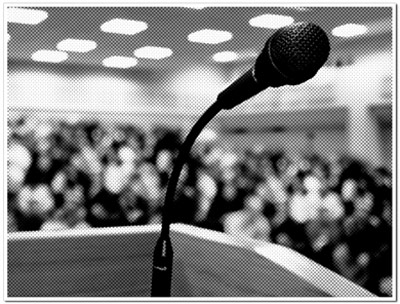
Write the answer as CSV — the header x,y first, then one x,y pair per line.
x,y
25,16
49,56
124,26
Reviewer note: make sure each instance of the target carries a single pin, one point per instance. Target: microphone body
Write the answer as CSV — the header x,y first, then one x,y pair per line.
x,y
292,55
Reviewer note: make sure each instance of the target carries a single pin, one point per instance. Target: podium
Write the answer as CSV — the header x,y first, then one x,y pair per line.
x,y
117,263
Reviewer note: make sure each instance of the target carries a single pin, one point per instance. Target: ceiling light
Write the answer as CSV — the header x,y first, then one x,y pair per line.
x,y
349,30
225,56
210,36
49,56
120,62
76,45
195,6
271,21
25,16
299,8
124,26
153,52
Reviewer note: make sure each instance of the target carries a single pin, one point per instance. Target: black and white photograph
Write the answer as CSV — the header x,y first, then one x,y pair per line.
x,y
199,151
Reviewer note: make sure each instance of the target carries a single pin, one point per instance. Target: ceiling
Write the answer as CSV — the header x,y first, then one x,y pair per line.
x,y
170,26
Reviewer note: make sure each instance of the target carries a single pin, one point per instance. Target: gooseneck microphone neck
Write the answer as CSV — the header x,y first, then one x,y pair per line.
x,y
291,56
163,254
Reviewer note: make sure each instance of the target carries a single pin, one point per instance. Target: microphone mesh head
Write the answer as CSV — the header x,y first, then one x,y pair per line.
x,y
298,51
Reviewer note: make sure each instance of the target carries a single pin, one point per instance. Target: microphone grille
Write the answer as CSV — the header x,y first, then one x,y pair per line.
x,y
298,51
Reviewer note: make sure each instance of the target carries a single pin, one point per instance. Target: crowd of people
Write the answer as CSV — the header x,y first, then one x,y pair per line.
x,y
337,212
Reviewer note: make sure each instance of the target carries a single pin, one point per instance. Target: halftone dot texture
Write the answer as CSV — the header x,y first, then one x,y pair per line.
x,y
84,169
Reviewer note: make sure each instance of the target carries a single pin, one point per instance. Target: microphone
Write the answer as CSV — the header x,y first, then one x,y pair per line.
x,y
292,55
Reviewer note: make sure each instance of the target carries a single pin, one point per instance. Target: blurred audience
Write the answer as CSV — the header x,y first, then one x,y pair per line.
x,y
249,222
64,175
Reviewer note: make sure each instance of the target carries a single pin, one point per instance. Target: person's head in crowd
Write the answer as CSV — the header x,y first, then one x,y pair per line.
x,y
228,175
15,178
386,286
76,218
135,184
44,162
128,156
349,226
284,239
383,177
96,134
312,184
270,211
35,201
341,255
113,178
12,225
151,180
266,166
351,264
297,186
349,190
81,137
323,214
254,204
59,182
135,140
206,185
77,162
283,164
265,192
56,221
119,135
229,191
333,203
148,170
164,160
324,171
251,161
73,195
387,212
355,169
363,203
18,154
43,145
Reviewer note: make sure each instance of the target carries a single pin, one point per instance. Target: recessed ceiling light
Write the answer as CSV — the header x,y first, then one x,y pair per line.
x,y
225,56
153,52
349,30
124,26
210,36
49,56
76,45
194,6
299,8
120,62
25,16
271,21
